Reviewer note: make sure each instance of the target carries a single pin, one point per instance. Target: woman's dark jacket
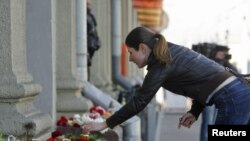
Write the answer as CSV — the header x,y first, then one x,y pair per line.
x,y
189,74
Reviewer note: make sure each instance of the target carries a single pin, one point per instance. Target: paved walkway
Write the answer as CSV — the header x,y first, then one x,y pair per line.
x,y
168,131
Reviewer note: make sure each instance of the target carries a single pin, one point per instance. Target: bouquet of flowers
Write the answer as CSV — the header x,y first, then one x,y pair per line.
x,y
70,128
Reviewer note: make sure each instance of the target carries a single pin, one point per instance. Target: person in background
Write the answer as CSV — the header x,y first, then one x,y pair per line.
x,y
184,72
219,54
93,41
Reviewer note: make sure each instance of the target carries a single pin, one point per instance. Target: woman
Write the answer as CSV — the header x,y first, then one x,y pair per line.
x,y
184,72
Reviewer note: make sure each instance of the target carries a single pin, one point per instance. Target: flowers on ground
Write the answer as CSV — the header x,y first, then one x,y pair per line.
x,y
69,129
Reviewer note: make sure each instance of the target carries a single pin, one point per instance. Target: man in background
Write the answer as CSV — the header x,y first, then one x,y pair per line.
x,y
221,55
93,41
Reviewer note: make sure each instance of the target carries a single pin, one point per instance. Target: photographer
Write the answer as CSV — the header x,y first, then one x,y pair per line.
x,y
220,54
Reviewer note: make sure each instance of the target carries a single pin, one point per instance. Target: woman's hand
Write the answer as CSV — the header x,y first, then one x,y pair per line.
x,y
94,126
187,120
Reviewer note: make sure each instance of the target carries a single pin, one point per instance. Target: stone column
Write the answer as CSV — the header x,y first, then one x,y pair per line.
x,y
41,53
17,89
69,98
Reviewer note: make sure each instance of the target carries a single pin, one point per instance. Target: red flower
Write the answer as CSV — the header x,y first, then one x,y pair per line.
x,y
56,134
92,109
63,121
50,139
76,125
97,109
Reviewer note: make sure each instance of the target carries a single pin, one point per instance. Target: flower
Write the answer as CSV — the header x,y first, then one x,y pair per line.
x,y
63,121
70,128
97,109
50,139
56,134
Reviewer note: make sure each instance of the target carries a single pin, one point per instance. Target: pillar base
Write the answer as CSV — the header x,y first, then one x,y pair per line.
x,y
72,103
21,117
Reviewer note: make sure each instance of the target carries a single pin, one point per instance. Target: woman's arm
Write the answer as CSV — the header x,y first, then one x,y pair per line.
x,y
152,82
196,108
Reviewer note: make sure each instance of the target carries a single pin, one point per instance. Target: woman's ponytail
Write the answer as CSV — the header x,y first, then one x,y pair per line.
x,y
161,50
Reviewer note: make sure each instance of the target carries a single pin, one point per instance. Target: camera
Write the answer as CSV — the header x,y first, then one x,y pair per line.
x,y
228,56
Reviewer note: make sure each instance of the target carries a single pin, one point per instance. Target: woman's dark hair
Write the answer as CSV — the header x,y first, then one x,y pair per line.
x,y
155,41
